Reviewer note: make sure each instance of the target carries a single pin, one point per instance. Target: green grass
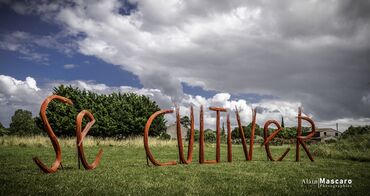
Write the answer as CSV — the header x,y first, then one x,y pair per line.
x,y
123,171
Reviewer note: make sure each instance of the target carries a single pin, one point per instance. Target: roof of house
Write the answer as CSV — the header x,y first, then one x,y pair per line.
x,y
327,130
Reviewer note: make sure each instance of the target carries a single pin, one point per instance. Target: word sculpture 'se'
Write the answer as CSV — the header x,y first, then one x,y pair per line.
x,y
54,140
248,155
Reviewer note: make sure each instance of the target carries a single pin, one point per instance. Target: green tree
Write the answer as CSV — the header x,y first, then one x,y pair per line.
x,y
196,135
287,133
3,130
291,132
247,131
164,136
209,135
359,130
23,124
185,121
117,115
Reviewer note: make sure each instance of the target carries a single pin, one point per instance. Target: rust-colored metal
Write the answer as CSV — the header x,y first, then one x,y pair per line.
x,y
251,143
201,136
146,142
242,137
201,140
218,132
179,137
301,139
299,133
80,137
191,139
248,155
229,143
267,139
52,136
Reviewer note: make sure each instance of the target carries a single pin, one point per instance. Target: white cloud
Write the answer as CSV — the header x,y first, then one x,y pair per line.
x,y
18,94
309,53
31,83
28,45
17,89
298,51
69,66
92,87
17,42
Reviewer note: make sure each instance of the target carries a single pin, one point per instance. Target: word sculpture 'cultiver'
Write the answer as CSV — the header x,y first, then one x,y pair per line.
x,y
300,140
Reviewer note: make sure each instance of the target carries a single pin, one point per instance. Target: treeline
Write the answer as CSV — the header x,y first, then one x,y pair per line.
x,y
117,115
121,115
355,131
285,134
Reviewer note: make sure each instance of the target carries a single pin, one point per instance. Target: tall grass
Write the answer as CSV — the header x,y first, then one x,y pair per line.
x,y
43,141
356,147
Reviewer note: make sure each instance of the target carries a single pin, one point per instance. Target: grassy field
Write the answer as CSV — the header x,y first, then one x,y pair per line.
x,y
123,171
356,147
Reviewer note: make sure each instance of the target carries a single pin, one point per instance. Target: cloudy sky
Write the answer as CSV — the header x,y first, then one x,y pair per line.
x,y
271,55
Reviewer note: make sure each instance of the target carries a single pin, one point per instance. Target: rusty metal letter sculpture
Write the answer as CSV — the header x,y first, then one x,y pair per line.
x,y
254,114
267,139
146,142
201,136
229,144
201,140
299,133
301,139
80,137
52,136
248,156
179,137
218,132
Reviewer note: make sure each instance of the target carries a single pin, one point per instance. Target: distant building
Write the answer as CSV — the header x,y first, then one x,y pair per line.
x,y
172,131
324,134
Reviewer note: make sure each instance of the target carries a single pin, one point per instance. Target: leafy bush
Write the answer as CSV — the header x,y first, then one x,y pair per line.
x,y
196,135
3,130
209,136
287,133
330,141
164,136
258,139
247,131
291,132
